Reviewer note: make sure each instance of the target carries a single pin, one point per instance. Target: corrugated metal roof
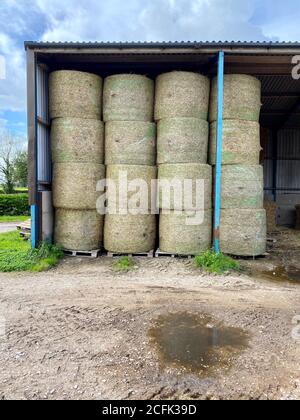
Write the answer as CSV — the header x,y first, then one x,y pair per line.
x,y
165,44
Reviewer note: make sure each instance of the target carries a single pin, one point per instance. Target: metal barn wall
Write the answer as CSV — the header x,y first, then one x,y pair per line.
x,y
43,130
287,169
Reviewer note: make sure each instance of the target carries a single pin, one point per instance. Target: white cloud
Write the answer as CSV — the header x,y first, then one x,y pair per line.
x,y
12,88
130,20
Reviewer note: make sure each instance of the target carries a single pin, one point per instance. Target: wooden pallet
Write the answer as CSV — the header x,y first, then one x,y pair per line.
x,y
83,254
149,254
160,253
25,230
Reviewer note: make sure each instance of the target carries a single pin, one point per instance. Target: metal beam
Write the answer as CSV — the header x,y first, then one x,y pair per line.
x,y
219,153
278,94
32,144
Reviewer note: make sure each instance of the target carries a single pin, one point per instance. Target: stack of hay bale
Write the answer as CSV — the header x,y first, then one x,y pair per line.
x,y
77,139
243,218
181,111
130,148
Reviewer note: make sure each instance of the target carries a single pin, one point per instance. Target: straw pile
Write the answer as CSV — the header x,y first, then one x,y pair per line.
x,y
241,142
243,221
243,232
181,173
74,185
182,140
271,210
242,98
146,174
77,140
179,235
129,233
131,151
78,230
130,143
182,94
75,94
128,97
242,187
181,110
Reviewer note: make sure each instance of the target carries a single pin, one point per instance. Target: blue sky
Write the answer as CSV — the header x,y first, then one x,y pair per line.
x,y
130,20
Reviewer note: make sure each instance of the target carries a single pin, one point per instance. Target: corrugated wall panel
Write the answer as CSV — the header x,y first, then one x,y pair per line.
x,y
288,166
44,165
43,132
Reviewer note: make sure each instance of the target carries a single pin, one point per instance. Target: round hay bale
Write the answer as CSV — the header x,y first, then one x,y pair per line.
x,y
182,94
129,233
179,174
241,142
182,140
141,173
74,185
75,94
243,232
77,140
77,230
242,98
178,233
130,143
271,210
242,187
128,97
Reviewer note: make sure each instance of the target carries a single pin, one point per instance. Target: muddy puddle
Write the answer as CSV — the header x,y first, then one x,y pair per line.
x,y
196,344
280,275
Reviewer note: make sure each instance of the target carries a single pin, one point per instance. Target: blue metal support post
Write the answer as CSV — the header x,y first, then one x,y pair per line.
x,y
34,226
217,215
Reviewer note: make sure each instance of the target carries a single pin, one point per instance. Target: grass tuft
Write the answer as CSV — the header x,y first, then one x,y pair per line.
x,y
17,255
216,263
123,264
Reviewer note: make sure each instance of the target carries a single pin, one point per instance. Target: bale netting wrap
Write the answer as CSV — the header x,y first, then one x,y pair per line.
x,y
75,94
78,230
182,140
128,97
129,233
185,233
75,185
242,98
140,181
241,142
185,175
271,211
242,187
182,94
130,143
243,232
77,140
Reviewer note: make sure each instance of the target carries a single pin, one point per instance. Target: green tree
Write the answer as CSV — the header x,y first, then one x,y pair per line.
x,y
7,163
21,169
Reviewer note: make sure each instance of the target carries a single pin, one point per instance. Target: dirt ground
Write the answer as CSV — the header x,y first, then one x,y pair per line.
x,y
80,331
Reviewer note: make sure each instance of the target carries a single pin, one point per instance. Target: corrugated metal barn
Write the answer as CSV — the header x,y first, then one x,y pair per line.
x,y
272,63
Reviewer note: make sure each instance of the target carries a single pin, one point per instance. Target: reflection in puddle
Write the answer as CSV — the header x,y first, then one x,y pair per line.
x,y
194,344
281,274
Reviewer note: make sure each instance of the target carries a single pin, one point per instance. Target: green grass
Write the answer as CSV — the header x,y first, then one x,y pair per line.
x,y
13,219
17,255
123,264
216,263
